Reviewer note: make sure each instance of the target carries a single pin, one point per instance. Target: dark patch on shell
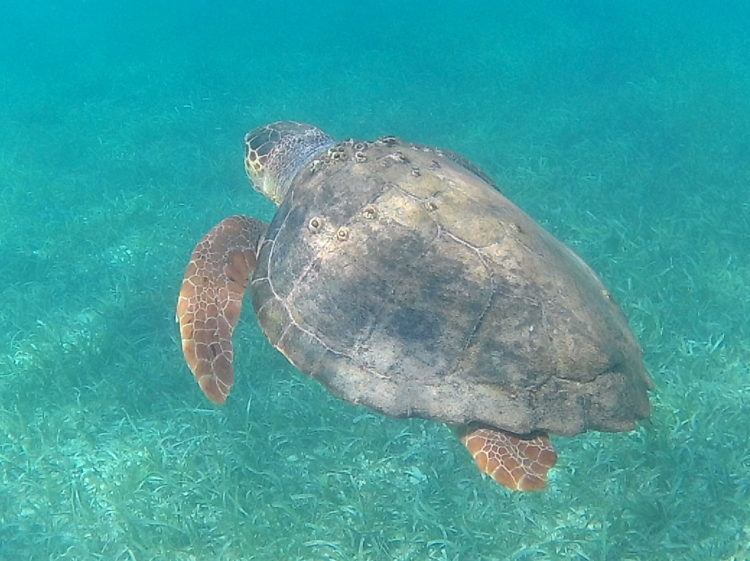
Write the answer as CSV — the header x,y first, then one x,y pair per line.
x,y
412,324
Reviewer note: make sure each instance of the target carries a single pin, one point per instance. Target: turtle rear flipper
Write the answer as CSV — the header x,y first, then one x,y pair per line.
x,y
518,463
210,301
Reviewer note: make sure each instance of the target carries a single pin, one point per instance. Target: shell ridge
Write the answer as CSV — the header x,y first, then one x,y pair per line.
x,y
488,304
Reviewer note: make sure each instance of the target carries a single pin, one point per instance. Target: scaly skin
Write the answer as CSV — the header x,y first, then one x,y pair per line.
x,y
210,301
520,464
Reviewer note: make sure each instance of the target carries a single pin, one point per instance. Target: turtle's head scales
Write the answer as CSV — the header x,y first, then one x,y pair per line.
x,y
276,152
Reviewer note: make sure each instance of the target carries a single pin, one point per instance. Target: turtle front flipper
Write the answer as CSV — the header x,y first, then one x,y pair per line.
x,y
518,463
210,301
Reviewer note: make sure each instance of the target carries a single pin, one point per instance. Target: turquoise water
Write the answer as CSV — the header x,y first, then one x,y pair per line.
x,y
624,128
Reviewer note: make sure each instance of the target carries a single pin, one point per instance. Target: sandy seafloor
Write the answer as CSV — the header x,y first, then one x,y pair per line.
x,y
622,127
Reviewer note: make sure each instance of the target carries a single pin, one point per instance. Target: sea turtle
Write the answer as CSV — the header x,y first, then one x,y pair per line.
x,y
402,279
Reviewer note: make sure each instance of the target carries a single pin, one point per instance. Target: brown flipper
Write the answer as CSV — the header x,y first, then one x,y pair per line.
x,y
210,301
518,463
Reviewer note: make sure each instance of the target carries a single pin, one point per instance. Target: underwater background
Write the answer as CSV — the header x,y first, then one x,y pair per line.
x,y
622,127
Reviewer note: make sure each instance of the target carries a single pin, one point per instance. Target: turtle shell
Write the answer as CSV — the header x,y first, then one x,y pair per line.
x,y
401,279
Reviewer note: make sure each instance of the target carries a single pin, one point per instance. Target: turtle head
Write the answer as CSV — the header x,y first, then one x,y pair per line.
x,y
275,153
